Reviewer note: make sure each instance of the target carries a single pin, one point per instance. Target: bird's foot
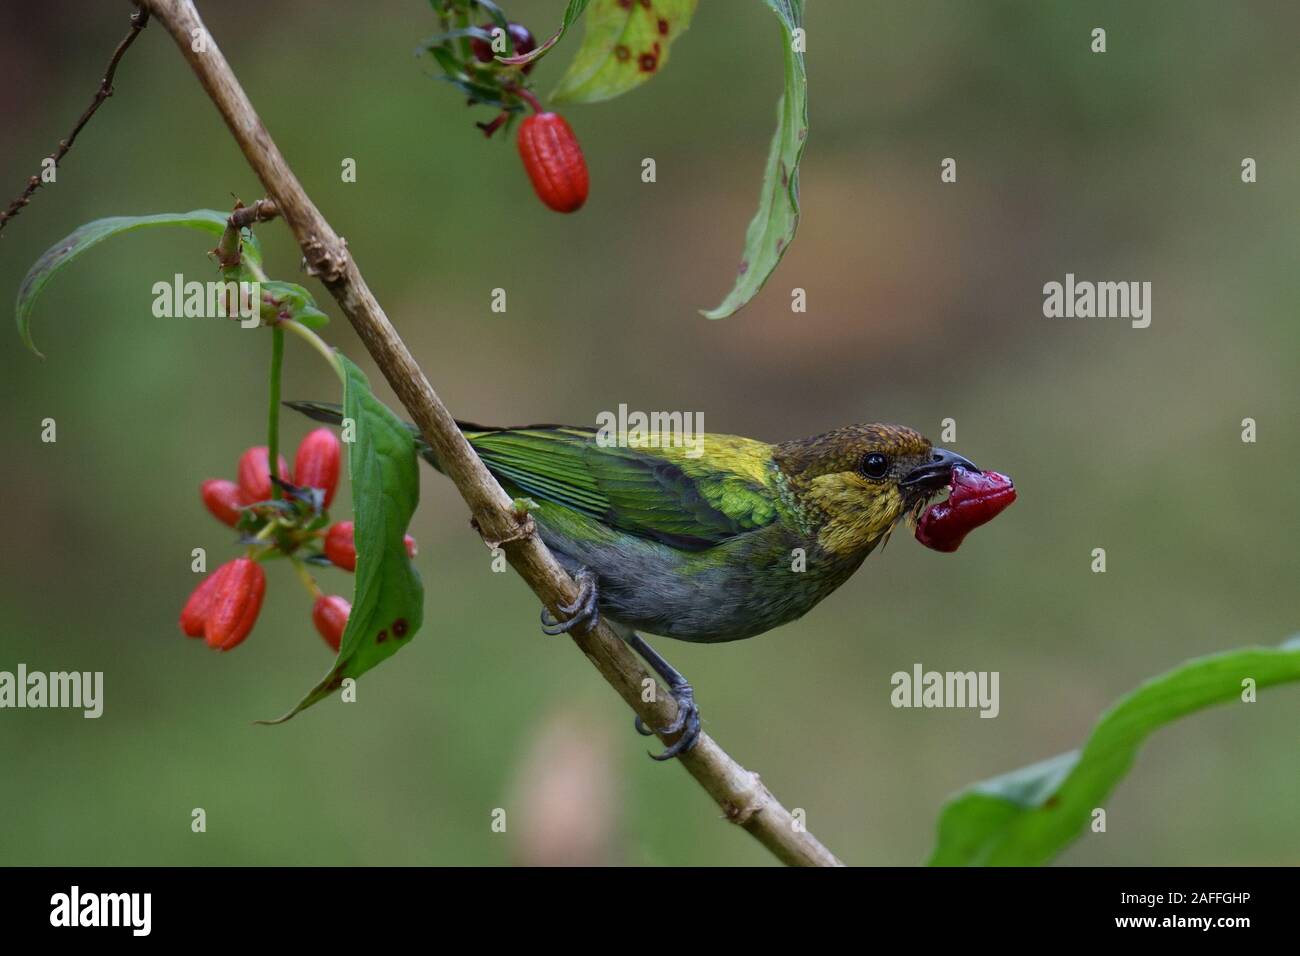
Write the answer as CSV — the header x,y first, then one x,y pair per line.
x,y
584,612
687,722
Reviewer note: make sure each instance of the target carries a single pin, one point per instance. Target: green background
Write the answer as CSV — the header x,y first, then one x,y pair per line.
x,y
925,302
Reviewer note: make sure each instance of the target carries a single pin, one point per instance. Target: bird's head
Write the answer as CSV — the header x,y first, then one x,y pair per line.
x,y
855,483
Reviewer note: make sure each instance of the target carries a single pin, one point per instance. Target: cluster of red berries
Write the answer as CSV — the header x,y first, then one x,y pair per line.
x,y
225,605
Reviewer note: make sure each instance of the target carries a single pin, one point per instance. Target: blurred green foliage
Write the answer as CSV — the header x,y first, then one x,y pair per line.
x,y
924,303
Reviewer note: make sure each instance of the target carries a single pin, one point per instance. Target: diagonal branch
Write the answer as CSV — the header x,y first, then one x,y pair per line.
x,y
739,792
139,20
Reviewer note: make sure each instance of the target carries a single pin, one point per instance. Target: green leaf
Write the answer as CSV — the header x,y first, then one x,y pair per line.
x,y
773,226
388,604
486,93
291,301
1026,817
571,14
93,233
498,17
623,46
438,39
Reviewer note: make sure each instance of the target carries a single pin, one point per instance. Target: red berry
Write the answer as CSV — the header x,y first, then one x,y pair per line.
x,y
553,160
519,36
255,474
341,545
330,615
222,499
317,463
236,599
977,498
195,613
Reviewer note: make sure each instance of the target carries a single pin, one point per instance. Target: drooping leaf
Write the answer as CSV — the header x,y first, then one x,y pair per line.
x,y
93,233
572,12
624,45
388,603
773,226
1026,817
288,300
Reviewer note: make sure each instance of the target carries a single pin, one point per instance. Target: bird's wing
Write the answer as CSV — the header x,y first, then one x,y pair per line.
x,y
657,493
662,494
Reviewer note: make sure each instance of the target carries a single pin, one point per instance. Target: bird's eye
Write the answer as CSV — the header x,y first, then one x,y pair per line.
x,y
875,465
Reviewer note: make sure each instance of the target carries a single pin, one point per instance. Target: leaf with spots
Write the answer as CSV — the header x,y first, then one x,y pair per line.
x,y
1026,817
93,233
773,226
626,42
388,604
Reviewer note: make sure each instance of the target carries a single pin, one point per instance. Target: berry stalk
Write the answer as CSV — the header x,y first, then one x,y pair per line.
x,y
273,409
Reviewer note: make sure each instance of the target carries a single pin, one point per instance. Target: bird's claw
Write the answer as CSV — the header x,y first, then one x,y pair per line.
x,y
687,722
583,612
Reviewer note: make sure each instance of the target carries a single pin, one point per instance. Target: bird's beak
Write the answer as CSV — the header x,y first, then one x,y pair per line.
x,y
937,472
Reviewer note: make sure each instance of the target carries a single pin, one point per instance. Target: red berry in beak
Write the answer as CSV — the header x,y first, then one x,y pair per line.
x,y
317,463
255,475
222,499
553,160
236,600
330,615
977,498
341,545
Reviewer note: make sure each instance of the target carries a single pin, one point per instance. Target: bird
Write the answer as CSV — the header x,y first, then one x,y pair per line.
x,y
716,540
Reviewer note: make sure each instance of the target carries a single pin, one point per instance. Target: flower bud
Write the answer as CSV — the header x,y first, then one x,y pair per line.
x,y
330,615
222,499
317,463
341,545
195,613
255,474
236,600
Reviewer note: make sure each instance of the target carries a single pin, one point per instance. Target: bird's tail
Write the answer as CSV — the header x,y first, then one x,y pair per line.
x,y
332,414
327,412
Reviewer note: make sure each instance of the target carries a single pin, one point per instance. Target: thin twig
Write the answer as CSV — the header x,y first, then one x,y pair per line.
x,y
139,20
227,250
740,793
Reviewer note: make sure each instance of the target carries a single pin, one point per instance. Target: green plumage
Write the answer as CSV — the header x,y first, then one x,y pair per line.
x,y
716,542
658,494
